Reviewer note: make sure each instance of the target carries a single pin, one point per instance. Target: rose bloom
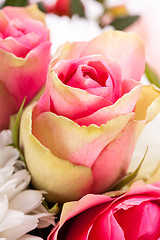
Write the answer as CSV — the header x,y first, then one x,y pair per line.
x,y
134,215
80,136
24,57
59,7
146,27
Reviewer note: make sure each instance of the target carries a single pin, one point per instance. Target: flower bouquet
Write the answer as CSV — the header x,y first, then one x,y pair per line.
x,y
74,117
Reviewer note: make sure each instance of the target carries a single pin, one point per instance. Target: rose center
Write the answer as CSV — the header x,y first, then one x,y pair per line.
x,y
87,74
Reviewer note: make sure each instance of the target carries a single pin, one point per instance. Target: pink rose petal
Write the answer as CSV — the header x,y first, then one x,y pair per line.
x,y
127,50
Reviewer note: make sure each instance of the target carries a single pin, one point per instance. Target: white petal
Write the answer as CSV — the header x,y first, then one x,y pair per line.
x,y
19,182
29,237
3,207
13,218
22,178
26,201
5,174
8,156
5,138
19,165
8,188
29,223
44,221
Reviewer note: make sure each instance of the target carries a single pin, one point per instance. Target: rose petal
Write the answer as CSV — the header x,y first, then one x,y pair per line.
x,y
148,104
106,227
68,51
72,102
149,227
109,166
81,225
143,216
46,165
126,49
119,108
23,71
11,45
89,201
31,11
30,40
81,145
128,85
4,23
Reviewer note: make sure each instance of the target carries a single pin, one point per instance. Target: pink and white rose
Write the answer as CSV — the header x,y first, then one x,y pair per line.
x,y
79,137
24,57
134,215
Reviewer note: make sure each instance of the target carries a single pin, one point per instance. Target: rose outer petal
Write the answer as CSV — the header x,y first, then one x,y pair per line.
x,y
53,163
110,165
31,11
148,104
31,69
68,51
126,49
81,145
55,175
80,227
72,209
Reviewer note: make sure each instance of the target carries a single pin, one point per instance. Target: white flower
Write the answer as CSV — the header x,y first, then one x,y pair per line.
x,y
64,29
20,209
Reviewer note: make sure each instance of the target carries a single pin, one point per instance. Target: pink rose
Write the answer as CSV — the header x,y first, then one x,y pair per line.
x,y
24,57
147,27
134,215
82,132
59,7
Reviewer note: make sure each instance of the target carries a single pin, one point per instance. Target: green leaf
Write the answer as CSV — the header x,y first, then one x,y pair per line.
x,y
129,177
152,77
100,1
15,130
41,7
121,23
77,8
16,3
54,210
